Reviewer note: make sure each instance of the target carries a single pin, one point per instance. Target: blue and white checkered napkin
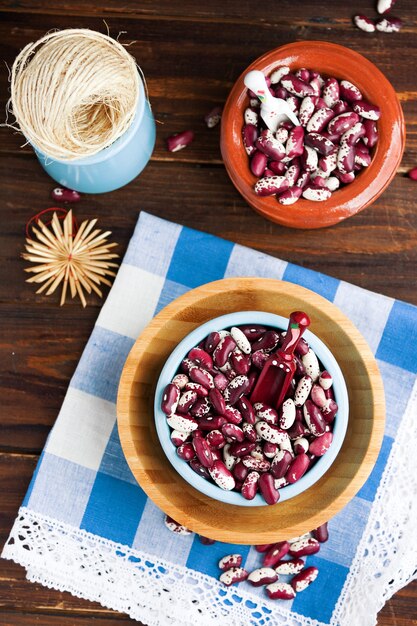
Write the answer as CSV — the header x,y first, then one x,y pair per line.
x,y
86,526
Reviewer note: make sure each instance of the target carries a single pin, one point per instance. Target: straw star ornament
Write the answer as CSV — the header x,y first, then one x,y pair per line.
x,y
80,261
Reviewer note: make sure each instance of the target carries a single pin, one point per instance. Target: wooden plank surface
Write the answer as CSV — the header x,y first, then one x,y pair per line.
x,y
191,53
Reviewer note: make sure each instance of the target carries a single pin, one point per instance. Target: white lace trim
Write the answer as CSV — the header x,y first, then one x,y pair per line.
x,y
386,557
160,593
148,589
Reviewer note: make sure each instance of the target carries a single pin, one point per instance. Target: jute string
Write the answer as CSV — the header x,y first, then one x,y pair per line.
x,y
73,93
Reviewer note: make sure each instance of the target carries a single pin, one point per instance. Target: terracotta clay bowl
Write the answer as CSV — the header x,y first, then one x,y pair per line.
x,y
179,498
330,60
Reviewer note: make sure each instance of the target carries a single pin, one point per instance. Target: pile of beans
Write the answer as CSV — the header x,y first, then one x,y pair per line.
x,y
237,445
282,559
332,144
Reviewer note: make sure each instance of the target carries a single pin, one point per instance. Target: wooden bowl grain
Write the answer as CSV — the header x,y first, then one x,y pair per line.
x,y
330,60
179,499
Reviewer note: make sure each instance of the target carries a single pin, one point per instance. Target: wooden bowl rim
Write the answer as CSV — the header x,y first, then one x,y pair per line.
x,y
311,519
371,182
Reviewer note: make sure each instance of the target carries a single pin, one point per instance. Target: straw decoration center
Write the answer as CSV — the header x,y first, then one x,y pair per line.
x,y
80,261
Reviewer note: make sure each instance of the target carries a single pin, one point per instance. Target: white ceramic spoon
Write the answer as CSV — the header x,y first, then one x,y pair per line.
x,y
273,110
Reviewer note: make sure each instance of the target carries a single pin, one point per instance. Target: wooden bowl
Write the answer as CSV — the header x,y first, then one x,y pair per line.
x,y
331,60
226,522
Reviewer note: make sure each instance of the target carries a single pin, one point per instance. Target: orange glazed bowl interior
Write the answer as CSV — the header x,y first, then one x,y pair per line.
x,y
330,60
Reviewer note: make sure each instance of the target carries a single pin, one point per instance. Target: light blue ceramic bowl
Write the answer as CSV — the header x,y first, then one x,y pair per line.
x,y
114,166
170,368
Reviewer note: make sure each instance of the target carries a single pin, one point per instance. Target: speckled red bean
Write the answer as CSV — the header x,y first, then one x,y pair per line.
x,y
304,546
364,23
319,120
223,349
232,415
300,445
178,438
203,451
290,196
321,533
235,389
262,576
362,156
250,432
199,469
213,117
367,110
320,143
201,391
170,399
211,422
250,485
201,358
267,488
233,433
249,135
176,527
271,185
293,172
281,463
269,341
275,553
389,24
240,471
259,358
221,475
258,163
287,414
279,73
329,411
317,395
216,439
186,451
296,86
183,423
314,418
246,409
280,591
269,145
220,381
295,142
265,413
230,560
180,380
384,6
180,140
202,377
240,362
270,450
349,91
345,178
259,465
253,331
302,580
233,575
297,469
212,341
217,401
292,567
63,194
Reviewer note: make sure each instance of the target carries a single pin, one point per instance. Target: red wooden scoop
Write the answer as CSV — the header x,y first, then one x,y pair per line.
x,y
278,372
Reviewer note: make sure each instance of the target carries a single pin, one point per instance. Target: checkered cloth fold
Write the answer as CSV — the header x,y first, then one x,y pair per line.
x,y
83,492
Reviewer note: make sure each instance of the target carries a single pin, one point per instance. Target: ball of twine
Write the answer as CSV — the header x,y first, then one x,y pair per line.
x,y
74,92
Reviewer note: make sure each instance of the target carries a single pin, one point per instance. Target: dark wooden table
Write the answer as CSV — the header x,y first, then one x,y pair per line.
x,y
191,53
